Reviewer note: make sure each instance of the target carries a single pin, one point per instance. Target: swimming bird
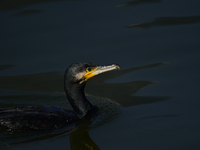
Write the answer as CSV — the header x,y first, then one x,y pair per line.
x,y
30,118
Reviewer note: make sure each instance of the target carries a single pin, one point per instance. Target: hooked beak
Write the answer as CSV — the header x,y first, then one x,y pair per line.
x,y
100,69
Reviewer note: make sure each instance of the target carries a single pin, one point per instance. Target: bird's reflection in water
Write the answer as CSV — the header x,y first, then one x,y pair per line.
x,y
82,140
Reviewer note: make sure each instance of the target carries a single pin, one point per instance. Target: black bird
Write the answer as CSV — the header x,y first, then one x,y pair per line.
x,y
18,119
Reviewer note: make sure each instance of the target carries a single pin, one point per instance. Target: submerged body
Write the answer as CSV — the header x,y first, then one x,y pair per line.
x,y
50,118
36,118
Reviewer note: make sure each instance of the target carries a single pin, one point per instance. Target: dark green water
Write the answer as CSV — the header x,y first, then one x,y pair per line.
x,y
156,43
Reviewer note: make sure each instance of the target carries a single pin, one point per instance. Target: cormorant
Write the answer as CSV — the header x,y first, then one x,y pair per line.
x,y
31,118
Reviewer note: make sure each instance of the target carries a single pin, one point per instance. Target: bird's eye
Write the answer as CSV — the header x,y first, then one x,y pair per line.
x,y
89,69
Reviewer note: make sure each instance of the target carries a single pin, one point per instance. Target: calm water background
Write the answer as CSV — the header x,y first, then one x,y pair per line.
x,y
160,101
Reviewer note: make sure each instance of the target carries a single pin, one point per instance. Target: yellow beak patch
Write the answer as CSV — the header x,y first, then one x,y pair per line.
x,y
89,73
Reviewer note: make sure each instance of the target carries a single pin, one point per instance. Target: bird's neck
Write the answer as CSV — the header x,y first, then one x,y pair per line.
x,y
76,96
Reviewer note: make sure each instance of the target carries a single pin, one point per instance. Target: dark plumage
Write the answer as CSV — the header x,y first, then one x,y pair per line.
x,y
50,118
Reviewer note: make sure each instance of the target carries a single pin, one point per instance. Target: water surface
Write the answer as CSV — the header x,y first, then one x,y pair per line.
x,y
156,43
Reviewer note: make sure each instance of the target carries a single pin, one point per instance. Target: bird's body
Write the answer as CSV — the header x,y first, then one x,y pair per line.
x,y
36,118
49,118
